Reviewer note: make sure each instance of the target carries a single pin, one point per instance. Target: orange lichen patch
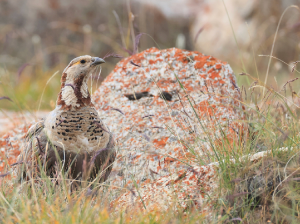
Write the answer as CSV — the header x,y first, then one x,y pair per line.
x,y
180,56
165,82
200,61
199,64
155,61
206,108
210,63
176,149
221,81
169,160
158,168
147,181
160,143
214,75
158,101
136,158
151,157
128,183
218,66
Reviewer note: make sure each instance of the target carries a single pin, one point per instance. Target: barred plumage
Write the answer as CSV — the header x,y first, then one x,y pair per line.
x,y
72,137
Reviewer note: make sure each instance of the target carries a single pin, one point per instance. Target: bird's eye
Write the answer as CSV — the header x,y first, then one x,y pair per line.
x,y
82,61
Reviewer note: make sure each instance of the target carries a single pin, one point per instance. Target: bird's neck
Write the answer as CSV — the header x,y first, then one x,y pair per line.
x,y
73,94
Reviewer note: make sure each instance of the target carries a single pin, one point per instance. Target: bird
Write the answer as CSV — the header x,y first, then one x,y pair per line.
x,y
72,137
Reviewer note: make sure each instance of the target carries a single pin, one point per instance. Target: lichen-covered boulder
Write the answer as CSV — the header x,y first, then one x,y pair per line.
x,y
169,110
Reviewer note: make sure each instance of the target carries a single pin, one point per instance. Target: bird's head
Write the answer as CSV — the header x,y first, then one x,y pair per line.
x,y
82,67
74,90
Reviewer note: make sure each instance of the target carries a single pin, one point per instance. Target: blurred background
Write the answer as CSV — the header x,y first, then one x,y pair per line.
x,y
40,37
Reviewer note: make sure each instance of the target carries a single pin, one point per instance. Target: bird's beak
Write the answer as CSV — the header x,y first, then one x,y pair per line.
x,y
97,61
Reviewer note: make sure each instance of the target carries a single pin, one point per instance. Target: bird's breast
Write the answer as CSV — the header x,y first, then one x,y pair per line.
x,y
77,131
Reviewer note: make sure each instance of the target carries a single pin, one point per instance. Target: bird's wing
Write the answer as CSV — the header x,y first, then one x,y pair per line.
x,y
27,159
35,130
